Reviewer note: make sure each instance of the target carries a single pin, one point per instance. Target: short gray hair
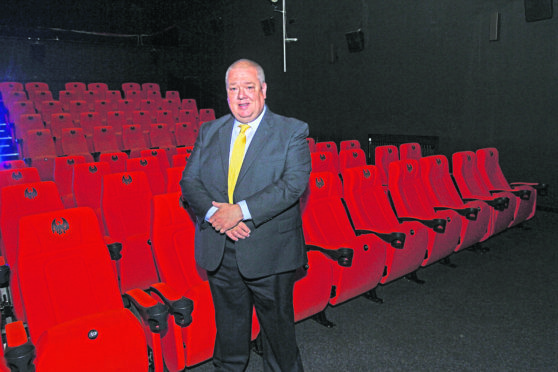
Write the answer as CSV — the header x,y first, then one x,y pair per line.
x,y
259,69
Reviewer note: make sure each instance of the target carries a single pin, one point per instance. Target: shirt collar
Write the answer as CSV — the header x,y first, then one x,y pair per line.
x,y
254,124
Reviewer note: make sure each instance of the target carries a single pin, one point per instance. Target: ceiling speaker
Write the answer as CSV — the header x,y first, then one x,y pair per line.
x,y
537,10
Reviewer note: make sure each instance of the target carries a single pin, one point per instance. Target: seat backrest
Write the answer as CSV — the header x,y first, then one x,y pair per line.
x,y
133,138
488,163
126,203
65,96
324,217
349,145
160,154
311,144
90,96
351,158
174,175
363,191
188,116
436,177
75,86
104,139
74,143
115,160
39,96
407,190
77,107
47,108
25,122
63,175
60,120
466,175
180,160
64,268
331,147
131,86
100,87
206,114
166,117
18,176
12,164
87,186
323,162
149,165
410,150
383,156
189,104
160,136
143,119
173,94
116,119
185,134
23,200
90,120
172,237
38,143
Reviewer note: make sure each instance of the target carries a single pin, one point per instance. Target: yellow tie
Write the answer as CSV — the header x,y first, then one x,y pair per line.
x,y
237,157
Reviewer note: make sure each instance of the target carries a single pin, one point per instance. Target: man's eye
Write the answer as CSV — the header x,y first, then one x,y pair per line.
x,y
250,88
232,89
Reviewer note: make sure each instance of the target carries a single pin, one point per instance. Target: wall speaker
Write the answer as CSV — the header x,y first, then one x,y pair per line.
x,y
537,10
355,41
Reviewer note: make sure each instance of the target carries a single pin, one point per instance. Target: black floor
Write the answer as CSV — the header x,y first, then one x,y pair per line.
x,y
496,311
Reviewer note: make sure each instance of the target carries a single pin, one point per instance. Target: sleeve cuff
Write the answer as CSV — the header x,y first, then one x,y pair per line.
x,y
245,211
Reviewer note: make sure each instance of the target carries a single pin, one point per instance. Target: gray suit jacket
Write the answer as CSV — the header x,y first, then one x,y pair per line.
x,y
274,175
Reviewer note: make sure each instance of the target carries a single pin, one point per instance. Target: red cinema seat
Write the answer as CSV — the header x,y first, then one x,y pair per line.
x,y
98,87
12,164
383,156
189,116
33,86
161,156
189,104
468,180
39,96
172,238
75,313
150,166
65,96
63,175
351,158
488,163
160,137
331,147
25,122
76,108
185,134
174,175
87,186
180,160
349,145
57,123
47,108
410,150
327,226
133,140
39,152
442,193
16,202
311,144
104,140
173,94
206,114
370,209
323,162
410,201
115,160
18,176
76,86
125,204
74,142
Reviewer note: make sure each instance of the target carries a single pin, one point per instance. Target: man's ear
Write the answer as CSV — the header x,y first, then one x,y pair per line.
x,y
264,90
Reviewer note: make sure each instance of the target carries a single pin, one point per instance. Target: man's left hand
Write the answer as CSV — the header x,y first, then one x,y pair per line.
x,y
226,217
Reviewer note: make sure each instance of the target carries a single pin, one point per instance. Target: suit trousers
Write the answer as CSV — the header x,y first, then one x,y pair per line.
x,y
234,297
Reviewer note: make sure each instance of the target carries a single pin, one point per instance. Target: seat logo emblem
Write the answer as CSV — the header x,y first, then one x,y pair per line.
x,y
30,193
16,176
143,162
355,154
320,182
92,169
366,173
60,226
410,167
127,179
322,157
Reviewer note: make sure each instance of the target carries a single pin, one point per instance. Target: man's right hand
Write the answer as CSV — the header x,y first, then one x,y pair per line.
x,y
240,231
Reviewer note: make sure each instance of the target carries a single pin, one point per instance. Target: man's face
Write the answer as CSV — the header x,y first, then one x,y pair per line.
x,y
246,96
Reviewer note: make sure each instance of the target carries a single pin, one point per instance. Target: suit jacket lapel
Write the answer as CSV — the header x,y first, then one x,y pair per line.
x,y
225,134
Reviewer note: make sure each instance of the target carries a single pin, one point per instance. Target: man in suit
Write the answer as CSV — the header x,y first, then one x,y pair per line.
x,y
249,229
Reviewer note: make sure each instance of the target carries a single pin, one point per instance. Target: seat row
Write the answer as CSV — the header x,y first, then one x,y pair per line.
x,y
359,232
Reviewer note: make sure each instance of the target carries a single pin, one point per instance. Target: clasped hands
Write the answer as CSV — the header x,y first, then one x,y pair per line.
x,y
228,220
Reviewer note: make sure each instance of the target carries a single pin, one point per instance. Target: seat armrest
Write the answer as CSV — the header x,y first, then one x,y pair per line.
x,y
114,248
5,273
436,224
20,351
396,239
343,256
469,213
151,312
178,306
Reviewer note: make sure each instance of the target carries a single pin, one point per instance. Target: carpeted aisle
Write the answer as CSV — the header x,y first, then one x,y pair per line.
x,y
496,311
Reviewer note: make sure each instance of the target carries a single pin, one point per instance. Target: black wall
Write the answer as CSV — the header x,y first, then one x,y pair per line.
x,y
427,68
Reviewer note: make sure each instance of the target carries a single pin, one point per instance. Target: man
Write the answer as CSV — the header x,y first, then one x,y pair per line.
x,y
249,229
